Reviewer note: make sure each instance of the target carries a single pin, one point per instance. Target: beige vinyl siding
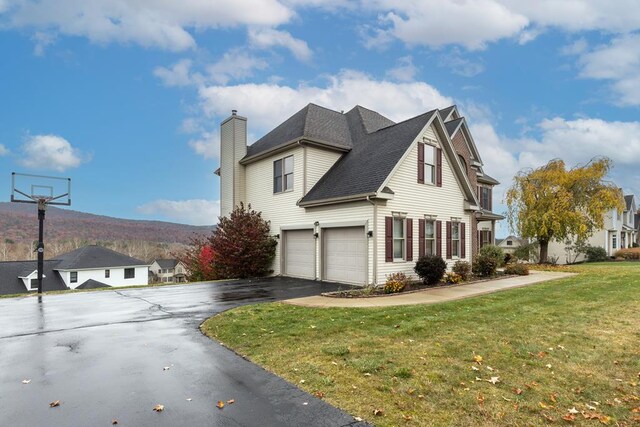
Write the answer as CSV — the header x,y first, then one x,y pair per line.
x,y
599,238
239,173
318,162
416,200
282,211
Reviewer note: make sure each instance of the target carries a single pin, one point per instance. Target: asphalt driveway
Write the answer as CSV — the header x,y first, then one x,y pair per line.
x,y
104,356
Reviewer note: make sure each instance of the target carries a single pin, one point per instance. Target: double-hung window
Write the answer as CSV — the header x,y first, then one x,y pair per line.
x,y
429,164
73,277
429,237
455,239
398,239
283,175
129,273
485,198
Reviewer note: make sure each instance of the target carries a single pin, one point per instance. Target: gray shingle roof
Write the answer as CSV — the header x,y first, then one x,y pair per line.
x,y
444,113
312,122
488,179
93,284
452,125
628,199
167,263
94,256
11,270
372,158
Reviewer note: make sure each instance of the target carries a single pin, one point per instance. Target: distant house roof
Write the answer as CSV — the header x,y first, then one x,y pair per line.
x,y
167,263
628,200
93,284
94,256
11,271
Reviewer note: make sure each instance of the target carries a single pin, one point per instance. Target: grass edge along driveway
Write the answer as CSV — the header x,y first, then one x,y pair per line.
x,y
559,353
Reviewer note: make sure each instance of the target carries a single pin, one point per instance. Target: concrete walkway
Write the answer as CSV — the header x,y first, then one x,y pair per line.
x,y
433,295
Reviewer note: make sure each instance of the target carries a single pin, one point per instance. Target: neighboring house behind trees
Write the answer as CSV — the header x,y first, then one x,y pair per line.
x,y
354,196
510,244
88,267
168,270
620,231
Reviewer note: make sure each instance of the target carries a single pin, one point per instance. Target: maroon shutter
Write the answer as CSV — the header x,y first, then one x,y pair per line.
x,y
439,168
463,241
388,239
439,238
409,239
420,163
420,237
479,239
449,256
490,242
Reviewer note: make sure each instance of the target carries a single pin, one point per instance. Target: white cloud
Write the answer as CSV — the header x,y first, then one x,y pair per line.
x,y
576,48
618,62
179,74
194,211
404,71
235,65
266,105
433,23
207,145
42,40
51,152
266,38
460,65
151,23
3,150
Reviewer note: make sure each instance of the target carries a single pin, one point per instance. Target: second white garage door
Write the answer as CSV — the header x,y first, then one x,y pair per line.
x,y
345,255
299,253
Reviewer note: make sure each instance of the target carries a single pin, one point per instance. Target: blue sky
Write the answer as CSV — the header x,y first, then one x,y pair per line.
x,y
126,97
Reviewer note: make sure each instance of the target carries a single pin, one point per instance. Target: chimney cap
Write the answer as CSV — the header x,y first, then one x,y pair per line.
x,y
234,112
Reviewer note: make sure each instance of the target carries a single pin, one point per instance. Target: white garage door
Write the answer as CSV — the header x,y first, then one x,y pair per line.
x,y
345,255
299,252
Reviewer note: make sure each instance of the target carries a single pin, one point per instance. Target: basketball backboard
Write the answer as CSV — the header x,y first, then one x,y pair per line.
x,y
51,190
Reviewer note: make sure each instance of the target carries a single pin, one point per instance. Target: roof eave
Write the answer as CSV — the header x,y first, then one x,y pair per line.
x,y
289,144
345,199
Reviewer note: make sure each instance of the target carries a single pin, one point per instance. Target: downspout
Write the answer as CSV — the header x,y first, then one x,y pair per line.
x,y
375,240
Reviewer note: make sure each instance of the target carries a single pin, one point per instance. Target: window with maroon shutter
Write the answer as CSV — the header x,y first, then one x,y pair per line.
x,y
420,163
439,238
490,199
463,241
448,239
409,223
420,237
439,167
490,242
388,239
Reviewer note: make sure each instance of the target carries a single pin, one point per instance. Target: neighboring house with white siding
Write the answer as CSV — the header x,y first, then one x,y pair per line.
x,y
620,231
168,270
352,197
91,266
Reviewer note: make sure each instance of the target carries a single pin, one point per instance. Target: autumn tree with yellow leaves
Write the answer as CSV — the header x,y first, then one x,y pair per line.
x,y
553,203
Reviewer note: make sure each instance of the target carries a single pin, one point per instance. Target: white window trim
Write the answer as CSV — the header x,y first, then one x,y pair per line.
x,y
288,190
432,240
456,244
404,238
432,147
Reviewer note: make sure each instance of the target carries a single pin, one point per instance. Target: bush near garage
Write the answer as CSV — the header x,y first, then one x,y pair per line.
x,y
517,268
430,268
485,265
596,254
396,282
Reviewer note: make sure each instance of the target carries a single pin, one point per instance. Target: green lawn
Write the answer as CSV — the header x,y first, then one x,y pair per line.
x,y
555,346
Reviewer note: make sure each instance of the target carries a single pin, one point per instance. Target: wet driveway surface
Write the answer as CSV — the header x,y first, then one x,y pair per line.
x,y
103,356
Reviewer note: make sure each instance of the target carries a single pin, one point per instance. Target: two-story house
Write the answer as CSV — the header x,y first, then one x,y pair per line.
x,y
354,196
619,232
168,270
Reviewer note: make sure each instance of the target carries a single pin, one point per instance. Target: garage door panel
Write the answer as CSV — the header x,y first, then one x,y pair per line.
x,y
299,248
345,254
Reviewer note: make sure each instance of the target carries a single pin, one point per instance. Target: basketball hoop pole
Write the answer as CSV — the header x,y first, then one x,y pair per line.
x,y
42,206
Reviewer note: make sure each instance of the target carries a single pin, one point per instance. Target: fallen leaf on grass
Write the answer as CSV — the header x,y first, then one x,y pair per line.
x,y
548,365
378,412
517,391
301,381
54,404
544,405
26,381
319,394
407,417
220,404
573,411
358,419
554,397
592,408
158,408
475,368
494,380
478,359
636,410
548,418
569,417
480,399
